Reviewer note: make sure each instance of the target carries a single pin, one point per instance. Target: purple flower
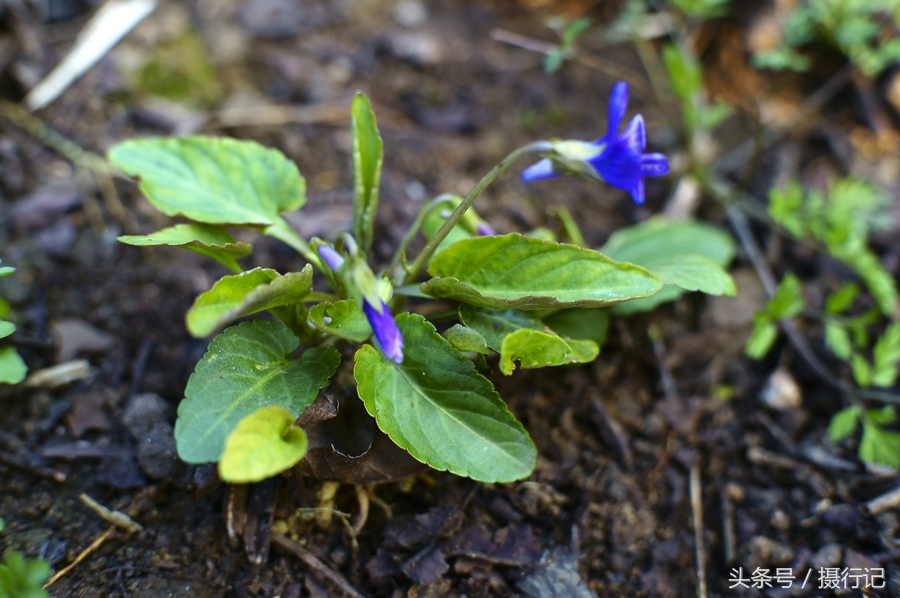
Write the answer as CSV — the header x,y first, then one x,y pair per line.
x,y
484,229
386,331
618,159
379,316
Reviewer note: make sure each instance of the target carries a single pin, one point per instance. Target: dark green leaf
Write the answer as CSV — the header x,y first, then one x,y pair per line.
x,y
6,328
884,416
516,271
842,299
368,155
437,407
249,292
580,323
341,318
213,180
246,368
205,239
263,444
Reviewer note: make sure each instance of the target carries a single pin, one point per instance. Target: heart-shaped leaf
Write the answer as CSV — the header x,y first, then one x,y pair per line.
x,y
516,271
341,318
437,407
246,368
660,239
205,239
368,155
536,349
213,180
249,292
263,444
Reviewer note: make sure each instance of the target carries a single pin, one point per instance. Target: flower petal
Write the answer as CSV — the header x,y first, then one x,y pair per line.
x,y
635,134
484,229
619,166
330,256
386,332
637,192
539,171
618,104
654,164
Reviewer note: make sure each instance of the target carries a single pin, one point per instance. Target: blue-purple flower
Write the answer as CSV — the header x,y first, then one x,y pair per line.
x,y
376,310
617,159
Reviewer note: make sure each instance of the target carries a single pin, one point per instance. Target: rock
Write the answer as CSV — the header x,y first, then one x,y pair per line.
x,y
418,48
44,206
828,556
145,409
410,13
88,413
556,575
73,336
781,391
763,552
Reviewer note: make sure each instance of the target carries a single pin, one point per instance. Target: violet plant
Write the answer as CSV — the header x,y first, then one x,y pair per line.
x,y
532,301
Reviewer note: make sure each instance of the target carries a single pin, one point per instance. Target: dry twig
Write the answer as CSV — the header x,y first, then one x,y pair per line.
x,y
313,562
697,508
84,554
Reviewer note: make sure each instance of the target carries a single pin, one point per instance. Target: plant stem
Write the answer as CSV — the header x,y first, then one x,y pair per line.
x,y
425,255
394,269
283,232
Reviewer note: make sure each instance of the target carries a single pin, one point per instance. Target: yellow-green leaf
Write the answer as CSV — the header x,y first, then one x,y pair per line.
x,y
263,444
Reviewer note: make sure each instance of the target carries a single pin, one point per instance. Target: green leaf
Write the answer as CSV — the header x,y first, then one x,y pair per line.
x,y
884,416
787,301
23,578
263,444
6,328
6,270
660,238
341,318
843,424
761,338
841,300
205,239
536,349
368,155
886,354
246,368
693,272
213,180
494,325
580,323
12,367
466,339
437,407
516,271
786,208
249,292
436,218
862,371
879,446
837,338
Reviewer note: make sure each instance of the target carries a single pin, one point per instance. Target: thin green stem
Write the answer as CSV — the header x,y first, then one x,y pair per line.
x,y
425,255
426,209
283,232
